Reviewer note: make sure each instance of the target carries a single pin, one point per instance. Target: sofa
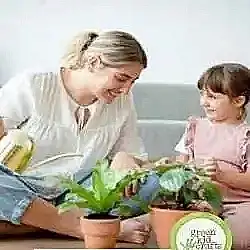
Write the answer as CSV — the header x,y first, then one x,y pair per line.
x,y
162,111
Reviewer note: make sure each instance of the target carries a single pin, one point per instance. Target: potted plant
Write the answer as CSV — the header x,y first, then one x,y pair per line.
x,y
183,189
99,223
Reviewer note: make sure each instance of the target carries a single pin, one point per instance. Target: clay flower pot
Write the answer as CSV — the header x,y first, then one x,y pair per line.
x,y
100,232
162,221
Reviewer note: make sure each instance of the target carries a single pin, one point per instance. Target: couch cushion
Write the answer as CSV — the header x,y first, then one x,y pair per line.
x,y
160,137
162,111
166,101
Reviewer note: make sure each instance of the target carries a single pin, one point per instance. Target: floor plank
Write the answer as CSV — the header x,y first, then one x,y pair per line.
x,y
30,243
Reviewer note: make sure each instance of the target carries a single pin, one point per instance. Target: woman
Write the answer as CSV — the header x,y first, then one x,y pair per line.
x,y
85,111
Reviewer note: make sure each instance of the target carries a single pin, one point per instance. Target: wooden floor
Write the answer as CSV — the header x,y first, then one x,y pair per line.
x,y
56,242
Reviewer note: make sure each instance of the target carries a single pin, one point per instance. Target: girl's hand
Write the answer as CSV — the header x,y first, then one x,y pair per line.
x,y
166,160
210,167
162,161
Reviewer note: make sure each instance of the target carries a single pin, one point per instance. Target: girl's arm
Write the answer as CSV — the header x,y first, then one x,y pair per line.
x,y
230,175
233,178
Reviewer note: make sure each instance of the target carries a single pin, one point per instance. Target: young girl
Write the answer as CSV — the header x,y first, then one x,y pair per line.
x,y
220,141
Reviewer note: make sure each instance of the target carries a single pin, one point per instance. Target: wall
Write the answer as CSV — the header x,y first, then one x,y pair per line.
x,y
182,37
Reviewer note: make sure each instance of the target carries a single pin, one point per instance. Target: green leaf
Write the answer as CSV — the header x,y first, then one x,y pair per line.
x,y
66,206
195,184
212,195
126,180
100,191
143,205
82,192
115,196
124,210
173,180
112,199
112,177
71,197
189,195
102,164
161,169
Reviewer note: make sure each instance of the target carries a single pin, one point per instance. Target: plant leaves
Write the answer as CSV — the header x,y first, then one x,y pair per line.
x,y
212,195
115,196
125,210
113,176
71,197
161,169
106,192
189,195
66,206
143,204
98,182
173,179
82,193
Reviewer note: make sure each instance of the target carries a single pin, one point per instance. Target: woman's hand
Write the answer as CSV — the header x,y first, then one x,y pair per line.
x,y
136,230
124,161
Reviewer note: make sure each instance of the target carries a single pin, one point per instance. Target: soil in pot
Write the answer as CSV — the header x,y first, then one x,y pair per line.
x,y
100,231
163,218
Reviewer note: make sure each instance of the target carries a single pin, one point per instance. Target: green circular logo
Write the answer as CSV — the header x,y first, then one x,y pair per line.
x,y
201,230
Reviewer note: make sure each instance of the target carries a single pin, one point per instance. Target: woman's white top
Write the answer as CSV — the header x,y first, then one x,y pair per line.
x,y
42,98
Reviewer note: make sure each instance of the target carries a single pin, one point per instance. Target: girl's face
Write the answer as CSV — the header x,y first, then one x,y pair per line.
x,y
219,107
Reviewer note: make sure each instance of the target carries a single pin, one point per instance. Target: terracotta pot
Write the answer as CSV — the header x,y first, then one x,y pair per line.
x,y
100,233
162,221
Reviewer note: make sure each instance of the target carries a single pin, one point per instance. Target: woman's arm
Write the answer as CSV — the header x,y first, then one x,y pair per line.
x,y
129,140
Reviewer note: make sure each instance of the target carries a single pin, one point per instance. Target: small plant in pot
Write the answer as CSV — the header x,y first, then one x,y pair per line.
x,y
103,203
183,189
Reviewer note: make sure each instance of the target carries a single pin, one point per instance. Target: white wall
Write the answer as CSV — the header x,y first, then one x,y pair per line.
x,y
182,37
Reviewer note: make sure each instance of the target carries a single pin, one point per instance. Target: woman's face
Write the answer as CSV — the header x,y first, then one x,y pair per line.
x,y
105,83
109,83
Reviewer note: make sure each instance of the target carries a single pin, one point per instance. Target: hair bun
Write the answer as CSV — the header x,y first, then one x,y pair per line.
x,y
91,36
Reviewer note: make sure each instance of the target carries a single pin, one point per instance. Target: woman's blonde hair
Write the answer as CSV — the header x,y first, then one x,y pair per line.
x,y
116,48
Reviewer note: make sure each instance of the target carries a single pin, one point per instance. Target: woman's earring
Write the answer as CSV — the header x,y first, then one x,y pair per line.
x,y
241,114
91,62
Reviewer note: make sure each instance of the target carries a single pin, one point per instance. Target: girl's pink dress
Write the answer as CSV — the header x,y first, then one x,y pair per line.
x,y
226,143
